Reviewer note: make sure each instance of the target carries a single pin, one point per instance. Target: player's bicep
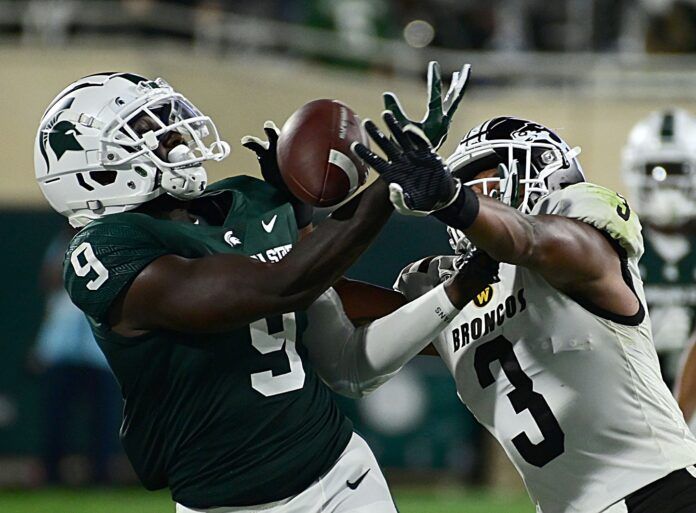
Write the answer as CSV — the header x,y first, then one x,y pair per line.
x,y
566,250
209,294
586,264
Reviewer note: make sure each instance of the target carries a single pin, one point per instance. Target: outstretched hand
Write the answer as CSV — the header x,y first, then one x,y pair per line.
x,y
266,154
438,116
419,181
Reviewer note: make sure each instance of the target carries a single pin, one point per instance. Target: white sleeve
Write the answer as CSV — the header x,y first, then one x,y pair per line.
x,y
354,361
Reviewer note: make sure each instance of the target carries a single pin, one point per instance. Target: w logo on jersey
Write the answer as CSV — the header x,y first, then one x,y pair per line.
x,y
484,297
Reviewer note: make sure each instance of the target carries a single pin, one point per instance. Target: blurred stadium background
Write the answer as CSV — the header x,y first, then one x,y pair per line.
x,y
589,68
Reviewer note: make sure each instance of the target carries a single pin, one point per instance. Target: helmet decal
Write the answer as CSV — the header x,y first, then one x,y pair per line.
x,y
61,138
667,127
54,133
531,132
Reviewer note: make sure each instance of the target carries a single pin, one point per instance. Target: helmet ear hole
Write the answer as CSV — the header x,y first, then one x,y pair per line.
x,y
103,177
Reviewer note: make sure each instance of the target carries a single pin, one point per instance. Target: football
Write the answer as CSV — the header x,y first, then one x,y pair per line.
x,y
314,153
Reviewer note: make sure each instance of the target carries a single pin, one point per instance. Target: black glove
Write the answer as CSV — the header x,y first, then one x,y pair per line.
x,y
474,272
266,153
419,181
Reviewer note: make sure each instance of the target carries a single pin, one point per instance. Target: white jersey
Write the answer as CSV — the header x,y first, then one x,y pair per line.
x,y
573,394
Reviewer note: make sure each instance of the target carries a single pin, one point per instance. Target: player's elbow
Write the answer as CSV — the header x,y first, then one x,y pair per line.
x,y
290,289
352,389
348,390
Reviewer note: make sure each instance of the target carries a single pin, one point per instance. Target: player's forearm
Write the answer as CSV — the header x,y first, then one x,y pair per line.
x,y
390,342
364,302
353,362
242,295
504,233
378,350
333,246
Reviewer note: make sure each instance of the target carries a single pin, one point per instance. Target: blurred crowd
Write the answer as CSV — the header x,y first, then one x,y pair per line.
x,y
511,25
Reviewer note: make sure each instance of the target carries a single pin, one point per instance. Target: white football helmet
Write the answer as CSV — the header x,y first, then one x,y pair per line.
x,y
659,167
532,161
89,161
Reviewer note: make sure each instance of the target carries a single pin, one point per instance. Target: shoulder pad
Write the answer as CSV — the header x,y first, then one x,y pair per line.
x,y
419,277
600,207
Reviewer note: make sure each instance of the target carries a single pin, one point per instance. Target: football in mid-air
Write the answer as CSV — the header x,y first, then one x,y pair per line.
x,y
314,153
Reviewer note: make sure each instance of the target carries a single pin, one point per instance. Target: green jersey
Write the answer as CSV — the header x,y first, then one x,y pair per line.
x,y
668,268
224,419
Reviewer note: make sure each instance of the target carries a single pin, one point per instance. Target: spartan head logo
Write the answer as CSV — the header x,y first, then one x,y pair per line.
x,y
61,138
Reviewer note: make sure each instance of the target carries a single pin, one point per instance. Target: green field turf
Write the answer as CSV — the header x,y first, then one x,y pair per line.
x,y
135,500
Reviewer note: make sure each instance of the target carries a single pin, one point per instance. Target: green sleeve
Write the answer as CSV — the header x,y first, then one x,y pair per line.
x,y
103,259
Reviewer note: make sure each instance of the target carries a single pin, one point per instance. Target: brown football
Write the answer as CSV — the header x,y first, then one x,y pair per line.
x,y
314,153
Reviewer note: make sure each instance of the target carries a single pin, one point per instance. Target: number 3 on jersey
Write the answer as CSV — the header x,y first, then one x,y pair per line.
x,y
522,397
85,251
269,335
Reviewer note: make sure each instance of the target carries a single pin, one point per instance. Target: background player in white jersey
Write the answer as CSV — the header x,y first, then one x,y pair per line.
x,y
556,359
659,169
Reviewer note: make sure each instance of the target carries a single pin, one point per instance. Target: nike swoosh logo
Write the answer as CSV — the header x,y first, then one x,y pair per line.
x,y
357,482
269,227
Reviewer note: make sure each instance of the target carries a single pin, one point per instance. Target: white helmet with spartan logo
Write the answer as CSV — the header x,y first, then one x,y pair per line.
x,y
659,167
89,161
